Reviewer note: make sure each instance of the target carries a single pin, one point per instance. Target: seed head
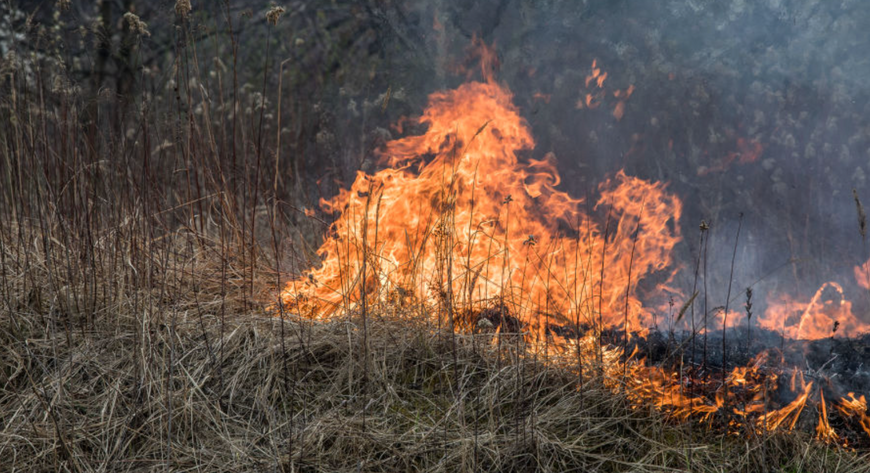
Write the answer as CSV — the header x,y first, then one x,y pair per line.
x,y
484,324
136,24
63,5
182,8
60,85
748,304
273,14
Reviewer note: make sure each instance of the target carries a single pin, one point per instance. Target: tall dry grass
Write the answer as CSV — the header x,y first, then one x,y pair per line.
x,y
177,372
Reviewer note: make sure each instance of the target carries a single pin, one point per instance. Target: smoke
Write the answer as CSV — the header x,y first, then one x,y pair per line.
x,y
744,107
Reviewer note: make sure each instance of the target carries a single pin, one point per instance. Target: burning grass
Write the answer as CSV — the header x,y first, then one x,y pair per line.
x,y
162,381
458,224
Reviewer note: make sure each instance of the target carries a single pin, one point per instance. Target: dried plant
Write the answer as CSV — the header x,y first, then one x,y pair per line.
x,y
862,216
182,8
728,301
136,24
8,64
274,14
748,306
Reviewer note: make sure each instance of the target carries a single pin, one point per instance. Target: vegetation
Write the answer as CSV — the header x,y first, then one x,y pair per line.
x,y
145,230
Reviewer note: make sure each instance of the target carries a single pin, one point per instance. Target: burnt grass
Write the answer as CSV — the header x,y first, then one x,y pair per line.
x,y
837,366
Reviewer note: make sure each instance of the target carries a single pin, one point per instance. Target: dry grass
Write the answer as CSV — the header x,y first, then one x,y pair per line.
x,y
159,381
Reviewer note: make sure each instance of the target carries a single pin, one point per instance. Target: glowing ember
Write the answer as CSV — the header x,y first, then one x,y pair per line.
x,y
595,94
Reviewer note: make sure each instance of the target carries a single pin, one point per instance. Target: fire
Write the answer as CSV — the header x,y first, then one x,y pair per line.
x,y
748,151
459,220
823,429
788,415
463,222
855,408
827,314
862,275
595,93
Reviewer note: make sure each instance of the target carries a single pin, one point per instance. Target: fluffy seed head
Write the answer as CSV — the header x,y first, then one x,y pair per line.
x,y
136,24
274,14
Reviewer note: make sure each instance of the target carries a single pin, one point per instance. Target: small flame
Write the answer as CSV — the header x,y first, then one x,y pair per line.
x,y
748,151
855,408
789,414
823,429
862,275
595,93
827,314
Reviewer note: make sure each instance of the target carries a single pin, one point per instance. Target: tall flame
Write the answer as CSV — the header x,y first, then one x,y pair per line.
x,y
462,218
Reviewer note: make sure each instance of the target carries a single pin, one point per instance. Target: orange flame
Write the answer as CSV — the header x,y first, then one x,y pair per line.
x,y
862,275
827,314
772,420
823,429
855,407
596,94
462,220
748,151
